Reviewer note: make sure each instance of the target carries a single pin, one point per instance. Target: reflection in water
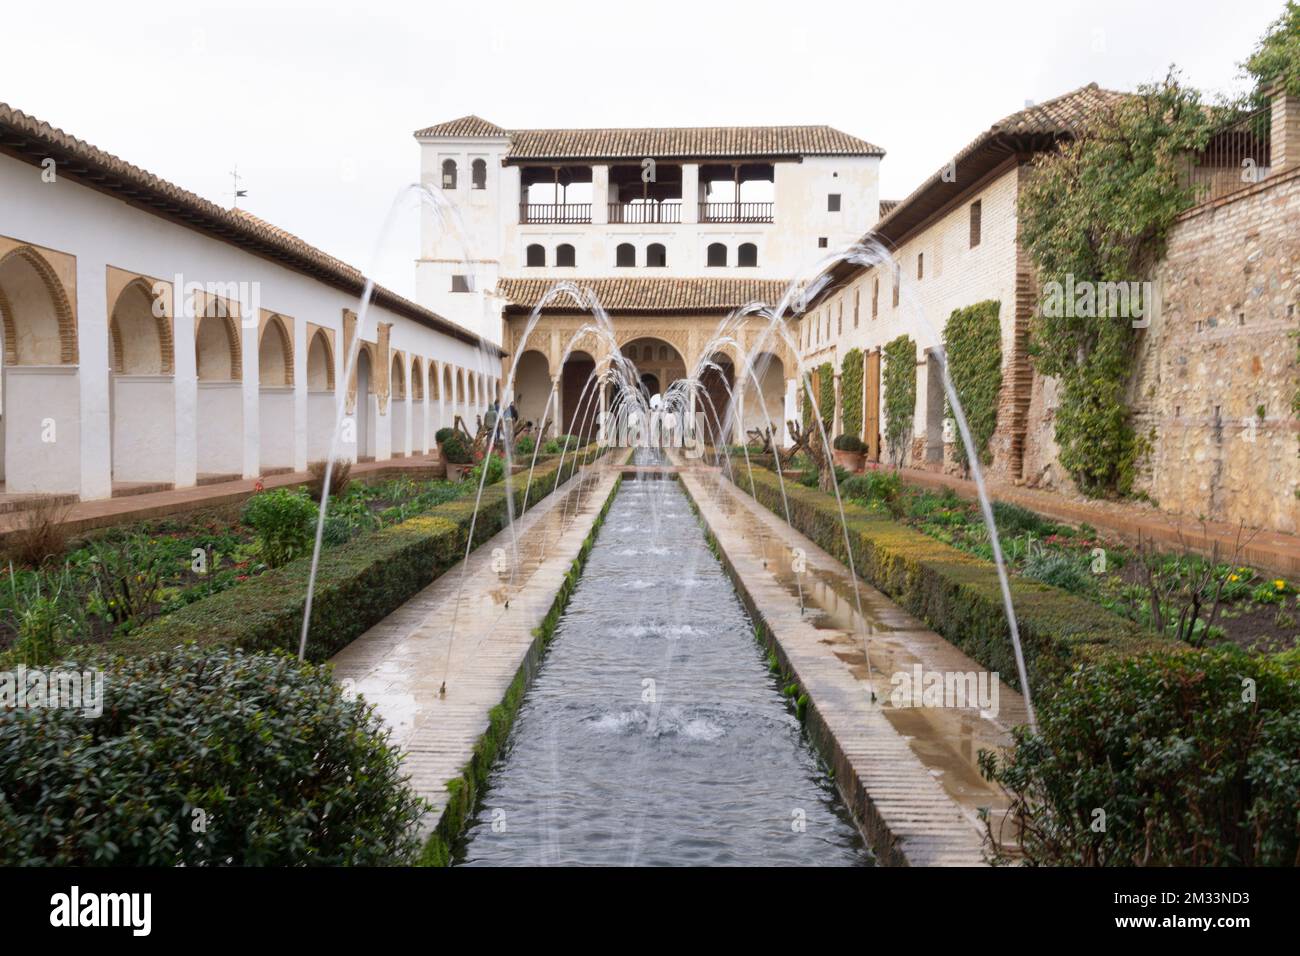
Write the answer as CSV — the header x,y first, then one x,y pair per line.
x,y
654,734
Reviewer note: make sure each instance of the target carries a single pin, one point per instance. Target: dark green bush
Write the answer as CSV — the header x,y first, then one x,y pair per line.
x,y
454,450
285,522
878,488
851,443
525,445
201,758
496,469
1013,520
1060,569
442,434
1193,757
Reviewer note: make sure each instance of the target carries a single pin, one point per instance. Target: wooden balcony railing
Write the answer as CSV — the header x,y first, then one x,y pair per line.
x,y
736,211
555,212
642,212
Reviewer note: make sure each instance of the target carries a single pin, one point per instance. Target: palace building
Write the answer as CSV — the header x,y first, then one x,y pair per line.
x,y
672,228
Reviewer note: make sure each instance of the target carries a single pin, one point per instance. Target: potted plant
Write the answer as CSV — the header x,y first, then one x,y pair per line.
x,y
848,452
457,456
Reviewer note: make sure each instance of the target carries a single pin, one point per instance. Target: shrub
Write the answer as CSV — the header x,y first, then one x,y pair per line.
x,y
454,450
127,575
1059,569
285,522
442,434
40,532
850,443
281,768
43,617
883,488
1192,756
525,445
496,469
340,476
1014,520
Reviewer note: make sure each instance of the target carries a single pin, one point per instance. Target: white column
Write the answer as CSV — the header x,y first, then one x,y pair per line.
x,y
299,334
691,192
599,195
250,391
95,438
187,390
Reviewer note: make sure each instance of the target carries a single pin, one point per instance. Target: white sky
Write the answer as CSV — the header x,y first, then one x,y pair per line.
x,y
316,102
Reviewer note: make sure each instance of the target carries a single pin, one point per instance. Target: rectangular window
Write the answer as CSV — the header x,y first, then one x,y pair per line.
x,y
875,297
833,202
821,242
462,283
920,266
898,281
976,221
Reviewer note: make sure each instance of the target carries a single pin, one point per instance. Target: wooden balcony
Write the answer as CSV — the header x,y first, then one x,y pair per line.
x,y
645,212
736,211
559,213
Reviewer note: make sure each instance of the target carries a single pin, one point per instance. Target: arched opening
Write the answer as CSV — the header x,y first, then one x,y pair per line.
x,y
717,384
321,407
535,255
462,397
565,256
40,402
399,443
277,435
142,397
419,438
365,410
625,255
656,255
219,418
449,174
717,254
577,371
767,396
448,407
747,254
478,174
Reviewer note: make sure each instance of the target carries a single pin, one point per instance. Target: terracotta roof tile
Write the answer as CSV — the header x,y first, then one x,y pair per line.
x,y
663,142
654,294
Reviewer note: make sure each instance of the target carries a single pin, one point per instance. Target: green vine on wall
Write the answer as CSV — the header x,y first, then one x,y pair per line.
x,y
1098,211
826,393
851,392
972,340
899,380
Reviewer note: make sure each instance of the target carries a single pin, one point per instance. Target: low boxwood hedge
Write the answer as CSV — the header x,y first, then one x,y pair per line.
x,y
357,583
955,593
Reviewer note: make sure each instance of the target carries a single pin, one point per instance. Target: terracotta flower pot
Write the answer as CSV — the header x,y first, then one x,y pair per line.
x,y
457,472
848,460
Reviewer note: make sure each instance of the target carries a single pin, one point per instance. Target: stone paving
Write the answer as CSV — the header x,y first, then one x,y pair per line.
x,y
401,664
910,774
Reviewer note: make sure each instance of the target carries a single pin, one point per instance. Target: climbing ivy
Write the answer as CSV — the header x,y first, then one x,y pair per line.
x,y
899,379
851,392
972,340
826,393
1097,211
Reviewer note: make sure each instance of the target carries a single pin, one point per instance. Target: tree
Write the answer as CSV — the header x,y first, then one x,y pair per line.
x,y
1276,57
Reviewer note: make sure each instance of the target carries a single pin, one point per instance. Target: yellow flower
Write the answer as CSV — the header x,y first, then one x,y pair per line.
x,y
1234,577
1279,584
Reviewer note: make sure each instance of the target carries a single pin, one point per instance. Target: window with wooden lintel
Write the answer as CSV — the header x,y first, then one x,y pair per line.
x,y
976,222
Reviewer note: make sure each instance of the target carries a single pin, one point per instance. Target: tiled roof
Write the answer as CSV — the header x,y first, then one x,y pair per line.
x,y
466,126
31,139
663,142
1061,114
653,294
887,206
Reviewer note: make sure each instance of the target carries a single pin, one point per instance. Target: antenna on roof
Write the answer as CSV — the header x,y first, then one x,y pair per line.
x,y
235,178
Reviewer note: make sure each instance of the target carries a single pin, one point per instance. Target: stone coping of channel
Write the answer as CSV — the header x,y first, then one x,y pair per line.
x,y
400,664
908,774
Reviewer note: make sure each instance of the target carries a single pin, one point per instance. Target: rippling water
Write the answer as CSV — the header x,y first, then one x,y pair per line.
x,y
653,733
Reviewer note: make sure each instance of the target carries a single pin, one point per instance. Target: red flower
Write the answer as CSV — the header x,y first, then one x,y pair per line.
x,y
258,486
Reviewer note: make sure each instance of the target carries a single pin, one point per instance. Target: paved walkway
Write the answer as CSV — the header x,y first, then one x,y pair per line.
x,y
909,773
400,664
1268,550
102,513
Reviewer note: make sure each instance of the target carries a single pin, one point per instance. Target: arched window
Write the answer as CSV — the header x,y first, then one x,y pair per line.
x,y
717,254
478,174
535,255
656,255
747,254
564,255
449,174
625,254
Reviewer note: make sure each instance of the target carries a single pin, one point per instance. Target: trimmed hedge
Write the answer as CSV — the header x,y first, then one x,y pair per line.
x,y
357,584
955,593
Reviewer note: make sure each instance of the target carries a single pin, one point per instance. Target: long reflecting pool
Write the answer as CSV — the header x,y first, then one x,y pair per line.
x,y
654,733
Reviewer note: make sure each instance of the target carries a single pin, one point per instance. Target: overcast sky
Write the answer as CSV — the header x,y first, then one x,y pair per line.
x,y
316,102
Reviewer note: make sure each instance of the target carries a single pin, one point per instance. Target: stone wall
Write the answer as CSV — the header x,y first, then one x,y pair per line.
x,y
1217,368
